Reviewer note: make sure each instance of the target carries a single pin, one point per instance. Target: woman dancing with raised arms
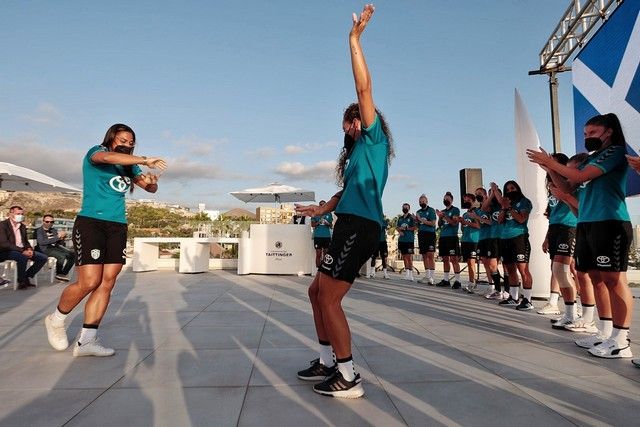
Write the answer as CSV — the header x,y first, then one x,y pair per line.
x,y
100,235
362,170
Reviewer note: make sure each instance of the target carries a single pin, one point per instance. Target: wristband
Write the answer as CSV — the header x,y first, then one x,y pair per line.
x,y
144,160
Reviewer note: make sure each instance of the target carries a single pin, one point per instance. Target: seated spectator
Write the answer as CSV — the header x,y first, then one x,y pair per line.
x,y
51,243
15,246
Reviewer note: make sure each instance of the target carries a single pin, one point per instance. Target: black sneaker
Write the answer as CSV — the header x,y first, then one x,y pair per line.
x,y
337,386
443,284
456,285
509,302
524,305
317,371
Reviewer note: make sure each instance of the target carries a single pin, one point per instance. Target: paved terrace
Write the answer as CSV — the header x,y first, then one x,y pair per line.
x,y
217,349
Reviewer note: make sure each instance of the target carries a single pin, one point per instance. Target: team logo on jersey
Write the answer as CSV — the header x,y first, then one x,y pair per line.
x,y
452,251
328,259
473,253
120,183
509,217
603,261
495,215
563,246
520,257
95,253
584,184
553,201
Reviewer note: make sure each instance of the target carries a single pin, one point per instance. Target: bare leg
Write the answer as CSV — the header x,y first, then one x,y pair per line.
x,y
330,295
89,278
314,290
98,302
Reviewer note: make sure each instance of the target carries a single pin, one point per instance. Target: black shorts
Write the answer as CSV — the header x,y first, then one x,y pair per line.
x,y
406,248
562,240
603,245
489,248
354,241
448,246
321,242
382,251
99,242
515,250
426,241
469,250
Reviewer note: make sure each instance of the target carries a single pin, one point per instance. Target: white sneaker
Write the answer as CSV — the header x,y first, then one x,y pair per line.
x,y
494,295
549,309
57,335
92,348
385,274
591,341
424,279
564,321
610,349
579,325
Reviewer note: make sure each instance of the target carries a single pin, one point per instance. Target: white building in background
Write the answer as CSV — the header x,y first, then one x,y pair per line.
x,y
213,214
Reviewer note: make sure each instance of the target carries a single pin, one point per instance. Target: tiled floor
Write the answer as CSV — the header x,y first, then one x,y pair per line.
x,y
218,349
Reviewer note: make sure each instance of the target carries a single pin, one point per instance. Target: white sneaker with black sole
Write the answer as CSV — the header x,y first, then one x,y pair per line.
x,y
562,323
610,349
337,386
92,348
62,278
591,341
579,325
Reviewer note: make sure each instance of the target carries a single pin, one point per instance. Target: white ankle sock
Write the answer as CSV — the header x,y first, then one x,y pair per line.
x,y
456,277
347,370
587,313
58,318
446,276
553,299
513,291
326,355
527,294
87,334
607,327
570,310
430,274
620,336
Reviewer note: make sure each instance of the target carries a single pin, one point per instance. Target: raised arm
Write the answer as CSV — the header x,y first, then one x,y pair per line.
x,y
361,74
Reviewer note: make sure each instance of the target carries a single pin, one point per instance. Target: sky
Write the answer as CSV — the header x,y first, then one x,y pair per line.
x,y
242,94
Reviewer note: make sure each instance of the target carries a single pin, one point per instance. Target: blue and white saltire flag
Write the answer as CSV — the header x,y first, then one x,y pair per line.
x,y
606,79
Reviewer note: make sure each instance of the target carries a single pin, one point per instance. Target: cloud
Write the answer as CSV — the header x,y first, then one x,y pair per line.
x,y
261,153
184,169
310,147
319,171
194,145
53,160
45,114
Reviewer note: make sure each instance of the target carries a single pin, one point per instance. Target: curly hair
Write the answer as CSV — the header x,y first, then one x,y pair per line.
x,y
351,113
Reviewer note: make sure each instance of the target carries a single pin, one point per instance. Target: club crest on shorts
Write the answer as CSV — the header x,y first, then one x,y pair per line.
x,y
563,246
328,259
473,253
95,253
603,261
520,257
452,251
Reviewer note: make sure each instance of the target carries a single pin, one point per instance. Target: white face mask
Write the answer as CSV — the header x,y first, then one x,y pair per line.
x,y
18,218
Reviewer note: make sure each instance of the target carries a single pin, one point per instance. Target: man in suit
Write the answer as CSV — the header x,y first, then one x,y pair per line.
x,y
15,246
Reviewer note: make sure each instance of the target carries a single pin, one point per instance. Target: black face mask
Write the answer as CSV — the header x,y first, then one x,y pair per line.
x,y
479,198
423,205
122,149
593,144
348,143
466,205
405,210
446,202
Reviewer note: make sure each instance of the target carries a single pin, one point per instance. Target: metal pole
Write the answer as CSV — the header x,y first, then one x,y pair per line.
x,y
555,114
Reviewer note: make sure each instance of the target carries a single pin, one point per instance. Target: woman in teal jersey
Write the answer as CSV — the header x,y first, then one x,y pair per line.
x,y
100,235
603,233
321,225
427,221
470,238
362,171
406,227
448,245
516,249
491,207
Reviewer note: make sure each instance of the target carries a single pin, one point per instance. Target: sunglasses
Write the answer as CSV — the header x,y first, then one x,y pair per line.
x,y
48,222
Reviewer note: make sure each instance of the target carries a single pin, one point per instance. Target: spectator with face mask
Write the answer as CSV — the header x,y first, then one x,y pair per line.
x,y
51,243
15,246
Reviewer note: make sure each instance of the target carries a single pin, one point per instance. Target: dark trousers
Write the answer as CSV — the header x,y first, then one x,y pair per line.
x,y
39,260
64,256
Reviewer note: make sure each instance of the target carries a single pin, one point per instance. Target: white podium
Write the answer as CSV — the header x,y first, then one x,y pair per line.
x,y
276,249
194,253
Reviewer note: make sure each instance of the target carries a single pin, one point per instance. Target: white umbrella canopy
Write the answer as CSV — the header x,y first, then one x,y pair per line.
x,y
274,193
18,178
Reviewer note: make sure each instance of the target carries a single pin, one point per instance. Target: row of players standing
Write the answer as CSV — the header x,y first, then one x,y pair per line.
x,y
493,226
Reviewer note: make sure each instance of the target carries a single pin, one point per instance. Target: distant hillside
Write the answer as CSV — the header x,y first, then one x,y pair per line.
x,y
40,202
239,213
